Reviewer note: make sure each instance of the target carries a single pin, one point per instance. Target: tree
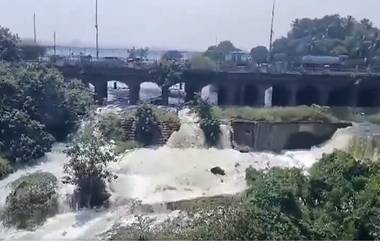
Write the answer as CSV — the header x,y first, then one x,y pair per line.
x,y
260,54
138,52
199,62
22,138
166,74
172,55
87,169
31,51
9,50
330,35
218,53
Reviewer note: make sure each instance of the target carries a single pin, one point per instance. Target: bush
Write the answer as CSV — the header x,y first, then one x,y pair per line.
x,y
339,200
147,125
5,168
87,168
110,125
209,123
275,114
33,199
23,139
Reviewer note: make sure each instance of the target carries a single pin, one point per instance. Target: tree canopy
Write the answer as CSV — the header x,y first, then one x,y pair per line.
x,y
217,53
9,50
330,35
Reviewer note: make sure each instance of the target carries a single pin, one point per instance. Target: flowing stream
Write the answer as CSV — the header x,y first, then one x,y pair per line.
x,y
179,170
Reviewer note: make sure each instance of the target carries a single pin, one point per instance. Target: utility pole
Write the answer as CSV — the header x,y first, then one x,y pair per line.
x,y
34,28
97,29
55,52
271,32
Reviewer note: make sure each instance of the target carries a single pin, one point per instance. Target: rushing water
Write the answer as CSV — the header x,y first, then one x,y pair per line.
x,y
179,170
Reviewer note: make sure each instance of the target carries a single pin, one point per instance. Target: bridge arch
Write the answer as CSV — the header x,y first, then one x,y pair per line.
x,y
280,95
308,95
368,97
339,97
250,96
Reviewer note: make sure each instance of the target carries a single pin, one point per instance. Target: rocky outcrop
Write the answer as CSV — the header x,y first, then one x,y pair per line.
x,y
32,200
218,171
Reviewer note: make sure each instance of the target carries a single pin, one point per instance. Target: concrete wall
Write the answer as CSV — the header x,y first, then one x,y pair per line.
x,y
277,136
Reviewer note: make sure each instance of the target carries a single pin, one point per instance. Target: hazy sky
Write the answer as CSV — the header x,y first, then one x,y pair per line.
x,y
184,24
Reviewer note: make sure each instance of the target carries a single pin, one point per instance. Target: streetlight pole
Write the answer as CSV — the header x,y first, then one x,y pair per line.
x,y
97,29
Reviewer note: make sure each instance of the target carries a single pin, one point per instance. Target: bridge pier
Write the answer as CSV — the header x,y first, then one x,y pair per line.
x,y
100,91
190,91
165,95
134,93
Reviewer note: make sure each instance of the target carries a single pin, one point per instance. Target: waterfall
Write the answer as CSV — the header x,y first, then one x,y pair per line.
x,y
178,171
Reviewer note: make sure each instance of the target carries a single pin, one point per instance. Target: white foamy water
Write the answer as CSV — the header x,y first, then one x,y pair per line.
x,y
177,171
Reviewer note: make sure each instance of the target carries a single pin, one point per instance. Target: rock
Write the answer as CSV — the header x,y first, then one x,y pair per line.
x,y
32,200
218,171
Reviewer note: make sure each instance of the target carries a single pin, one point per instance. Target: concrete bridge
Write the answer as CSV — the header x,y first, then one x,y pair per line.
x,y
247,88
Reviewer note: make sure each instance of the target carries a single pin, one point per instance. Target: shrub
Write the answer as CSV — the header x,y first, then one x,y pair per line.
x,y
32,200
209,124
87,168
23,139
110,125
147,125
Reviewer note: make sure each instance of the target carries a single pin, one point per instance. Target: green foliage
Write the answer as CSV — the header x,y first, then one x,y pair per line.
x,y
147,125
138,53
275,114
330,35
260,54
200,62
35,103
166,73
31,50
87,168
33,199
51,101
110,125
338,200
172,55
8,45
218,53
5,168
208,123
23,139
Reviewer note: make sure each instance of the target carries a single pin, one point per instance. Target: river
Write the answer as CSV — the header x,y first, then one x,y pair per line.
x,y
177,171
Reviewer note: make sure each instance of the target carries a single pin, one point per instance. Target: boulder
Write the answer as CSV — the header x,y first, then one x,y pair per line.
x,y
32,200
218,171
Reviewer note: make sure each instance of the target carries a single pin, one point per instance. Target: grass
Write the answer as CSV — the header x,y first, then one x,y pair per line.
x,y
275,114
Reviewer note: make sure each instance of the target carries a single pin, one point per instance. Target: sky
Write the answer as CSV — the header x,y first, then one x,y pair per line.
x,y
169,24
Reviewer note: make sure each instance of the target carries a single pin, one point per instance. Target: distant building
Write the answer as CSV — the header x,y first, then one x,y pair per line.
x,y
238,57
